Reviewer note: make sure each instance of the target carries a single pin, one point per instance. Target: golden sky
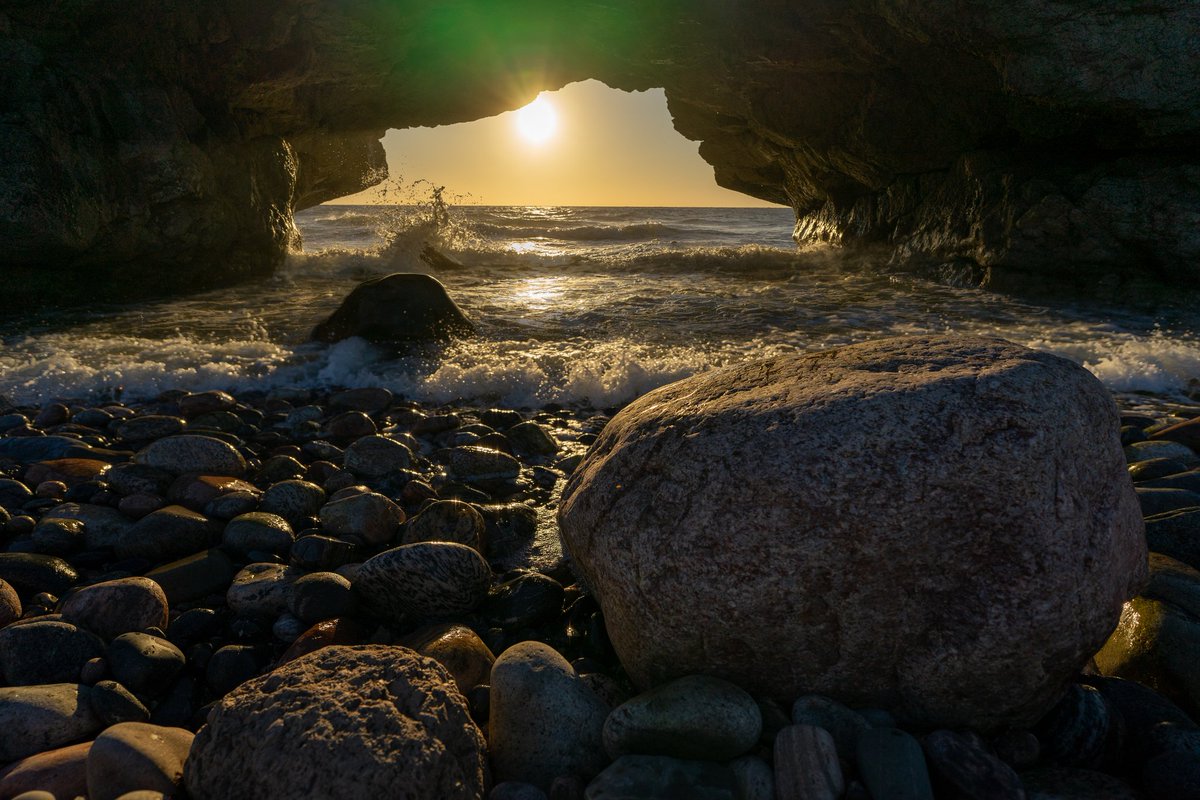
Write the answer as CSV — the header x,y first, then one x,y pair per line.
x,y
596,147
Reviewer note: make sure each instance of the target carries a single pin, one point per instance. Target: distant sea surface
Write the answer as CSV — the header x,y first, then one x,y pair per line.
x,y
574,305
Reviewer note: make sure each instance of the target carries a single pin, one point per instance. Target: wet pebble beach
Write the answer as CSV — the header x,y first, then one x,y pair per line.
x,y
384,581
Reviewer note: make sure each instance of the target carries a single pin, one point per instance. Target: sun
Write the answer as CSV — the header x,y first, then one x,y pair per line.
x,y
537,121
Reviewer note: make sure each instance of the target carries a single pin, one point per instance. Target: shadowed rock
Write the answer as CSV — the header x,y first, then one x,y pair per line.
x,y
397,309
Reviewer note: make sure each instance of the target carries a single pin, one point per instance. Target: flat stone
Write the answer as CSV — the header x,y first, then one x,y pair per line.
x,y
543,720
376,456
48,651
111,608
193,405
457,648
892,765
635,777
133,756
43,717
424,580
190,453
696,717
169,533
1163,501
62,772
259,531
358,723
194,577
370,516
447,521
262,589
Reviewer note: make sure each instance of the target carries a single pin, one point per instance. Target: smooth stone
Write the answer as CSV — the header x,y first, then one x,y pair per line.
x,y
1172,776
961,763
130,478
343,631
46,651
844,724
530,437
636,777
424,580
323,553
457,648
1176,534
361,722
58,537
401,308
1155,468
70,471
349,425
1140,708
190,453
111,608
1189,479
513,790
806,764
193,405
288,628
197,491
258,530
376,456
479,464
194,577
447,521
233,504
43,717
755,778
113,703
28,449
1186,433
34,573
147,427
145,664
169,533
367,399
695,717
1074,732
1144,451
320,596
294,500
1156,644
262,589
1164,501
102,526
543,720
133,756
10,604
370,516
61,772
280,468
233,665
892,765
526,600
13,493
136,506
1064,783
1170,737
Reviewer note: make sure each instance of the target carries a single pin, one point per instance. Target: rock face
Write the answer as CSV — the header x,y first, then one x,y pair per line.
x,y
399,308
992,140
352,722
940,526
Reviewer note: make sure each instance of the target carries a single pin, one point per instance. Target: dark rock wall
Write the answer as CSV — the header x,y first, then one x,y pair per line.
x,y
167,144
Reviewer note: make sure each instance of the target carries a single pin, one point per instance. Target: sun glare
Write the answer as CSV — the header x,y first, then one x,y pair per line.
x,y
537,121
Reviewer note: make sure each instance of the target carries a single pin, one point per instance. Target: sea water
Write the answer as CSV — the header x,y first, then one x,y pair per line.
x,y
588,306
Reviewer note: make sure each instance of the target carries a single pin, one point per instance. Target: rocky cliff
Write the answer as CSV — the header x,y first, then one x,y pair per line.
x,y
157,146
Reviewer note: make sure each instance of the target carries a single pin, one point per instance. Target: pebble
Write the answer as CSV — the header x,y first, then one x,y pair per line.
x,y
530,437
294,500
144,664
32,572
13,493
133,756
376,456
43,717
323,553
892,765
169,533
457,648
58,537
370,516
447,521
102,526
368,399
10,604
136,506
234,504
1074,732
335,631
543,720
959,761
127,479
525,600
1153,468
193,405
197,491
113,703
349,425
755,778
1144,451
479,464
806,764
148,427
634,777
262,589
45,651
111,608
843,724
1163,501
695,717
424,580
231,666
320,596
280,468
190,453
68,471
194,577
258,530
61,772
288,628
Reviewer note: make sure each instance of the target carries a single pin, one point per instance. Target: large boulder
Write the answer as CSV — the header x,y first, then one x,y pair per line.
x,y
399,308
941,526
345,722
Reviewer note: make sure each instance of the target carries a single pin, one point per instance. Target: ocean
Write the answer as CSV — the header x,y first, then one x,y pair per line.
x,y
575,306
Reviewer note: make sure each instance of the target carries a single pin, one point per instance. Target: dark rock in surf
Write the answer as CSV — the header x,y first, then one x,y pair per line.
x,y
399,308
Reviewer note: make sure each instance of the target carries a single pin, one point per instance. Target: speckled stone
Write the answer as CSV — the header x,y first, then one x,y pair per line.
x,y
356,723
262,589
169,533
111,608
376,456
190,453
868,460
33,573
447,521
46,651
371,516
457,648
258,530
294,500
695,717
425,580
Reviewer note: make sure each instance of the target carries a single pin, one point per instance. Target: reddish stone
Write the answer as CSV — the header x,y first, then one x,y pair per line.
x,y
1185,433
196,491
71,471
62,772
333,631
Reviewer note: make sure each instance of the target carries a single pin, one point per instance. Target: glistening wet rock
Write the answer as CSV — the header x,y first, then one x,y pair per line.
x,y
397,309
424,580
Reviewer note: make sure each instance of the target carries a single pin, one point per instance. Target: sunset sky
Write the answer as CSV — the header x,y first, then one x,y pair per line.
x,y
585,144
